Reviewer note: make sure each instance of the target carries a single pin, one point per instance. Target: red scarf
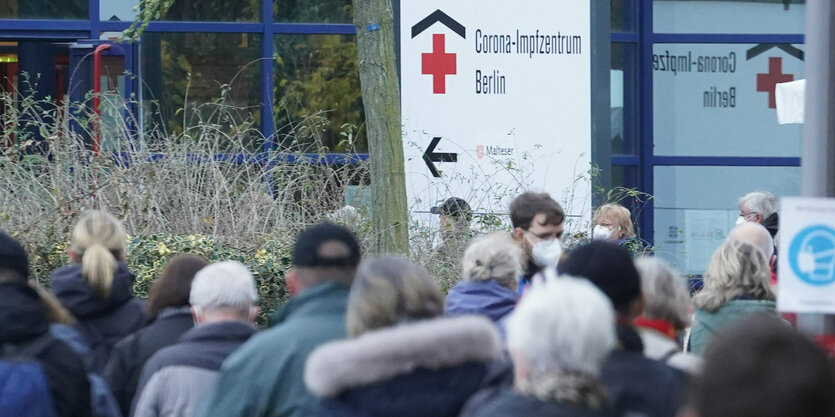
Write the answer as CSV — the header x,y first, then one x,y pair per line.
x,y
665,327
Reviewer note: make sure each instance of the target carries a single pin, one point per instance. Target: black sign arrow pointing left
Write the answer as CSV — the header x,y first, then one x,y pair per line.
x,y
430,157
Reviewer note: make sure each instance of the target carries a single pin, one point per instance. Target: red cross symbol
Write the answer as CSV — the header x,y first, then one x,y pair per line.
x,y
438,63
766,83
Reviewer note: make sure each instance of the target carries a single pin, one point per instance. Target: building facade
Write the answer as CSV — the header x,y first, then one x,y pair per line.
x,y
691,123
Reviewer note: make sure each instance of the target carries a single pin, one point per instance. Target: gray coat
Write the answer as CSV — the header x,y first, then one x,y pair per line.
x,y
176,378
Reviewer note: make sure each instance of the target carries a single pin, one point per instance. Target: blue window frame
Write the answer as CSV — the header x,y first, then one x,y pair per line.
x,y
642,35
21,29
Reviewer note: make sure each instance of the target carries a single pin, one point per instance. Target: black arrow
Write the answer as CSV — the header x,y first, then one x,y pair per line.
x,y
431,156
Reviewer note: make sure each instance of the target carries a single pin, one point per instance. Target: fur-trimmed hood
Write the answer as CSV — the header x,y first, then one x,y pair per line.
x,y
379,355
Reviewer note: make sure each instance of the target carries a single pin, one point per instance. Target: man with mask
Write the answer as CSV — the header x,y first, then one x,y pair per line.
x,y
759,207
537,227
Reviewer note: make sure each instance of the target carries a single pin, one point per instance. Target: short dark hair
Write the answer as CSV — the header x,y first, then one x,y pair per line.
x,y
527,205
609,267
173,287
765,370
13,257
456,208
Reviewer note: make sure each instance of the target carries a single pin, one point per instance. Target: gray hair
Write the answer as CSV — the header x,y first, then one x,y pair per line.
x,y
665,292
736,269
224,285
761,202
390,290
563,325
755,234
495,256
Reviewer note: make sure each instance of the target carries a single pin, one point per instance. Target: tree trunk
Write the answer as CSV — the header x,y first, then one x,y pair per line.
x,y
374,20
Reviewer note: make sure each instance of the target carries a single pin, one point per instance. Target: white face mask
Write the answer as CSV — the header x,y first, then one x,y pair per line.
x,y
740,220
601,233
546,253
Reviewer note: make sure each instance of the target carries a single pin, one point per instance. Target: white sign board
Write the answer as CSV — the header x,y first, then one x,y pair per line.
x,y
806,275
496,100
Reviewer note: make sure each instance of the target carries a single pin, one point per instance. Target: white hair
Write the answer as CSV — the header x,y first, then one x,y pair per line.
x,y
563,325
494,256
224,285
665,292
761,202
754,234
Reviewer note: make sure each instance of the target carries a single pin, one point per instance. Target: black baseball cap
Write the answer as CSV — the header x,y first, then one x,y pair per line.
x,y
306,250
12,256
453,207
609,267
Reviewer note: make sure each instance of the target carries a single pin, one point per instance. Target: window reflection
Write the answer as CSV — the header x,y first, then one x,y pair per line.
x,y
622,15
182,72
321,11
728,16
44,9
317,92
214,10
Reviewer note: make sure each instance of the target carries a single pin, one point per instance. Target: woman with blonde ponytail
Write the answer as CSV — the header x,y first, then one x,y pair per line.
x,y
97,288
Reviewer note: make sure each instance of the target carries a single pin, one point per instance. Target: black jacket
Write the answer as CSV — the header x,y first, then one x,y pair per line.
x,y
638,385
502,401
102,321
23,318
131,353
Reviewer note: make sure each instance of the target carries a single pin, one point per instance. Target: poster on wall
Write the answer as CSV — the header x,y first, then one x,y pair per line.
x,y
496,100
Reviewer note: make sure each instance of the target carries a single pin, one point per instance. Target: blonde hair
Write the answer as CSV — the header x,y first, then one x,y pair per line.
x,y
736,269
618,215
495,256
99,239
390,290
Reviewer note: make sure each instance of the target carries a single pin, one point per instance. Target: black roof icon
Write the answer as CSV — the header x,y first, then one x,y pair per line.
x,y
439,16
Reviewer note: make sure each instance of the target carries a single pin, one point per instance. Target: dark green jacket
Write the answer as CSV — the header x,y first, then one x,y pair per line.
x,y
265,376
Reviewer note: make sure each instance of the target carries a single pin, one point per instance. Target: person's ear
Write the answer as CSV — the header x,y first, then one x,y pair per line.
x,y
74,258
253,314
196,315
519,234
292,281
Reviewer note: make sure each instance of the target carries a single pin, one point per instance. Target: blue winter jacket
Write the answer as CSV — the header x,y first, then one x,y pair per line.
x,y
485,298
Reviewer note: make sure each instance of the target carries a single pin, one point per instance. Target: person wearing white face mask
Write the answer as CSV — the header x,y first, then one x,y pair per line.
x,y
613,222
538,228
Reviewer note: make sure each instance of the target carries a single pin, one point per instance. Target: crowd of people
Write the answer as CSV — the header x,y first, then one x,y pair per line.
x,y
531,329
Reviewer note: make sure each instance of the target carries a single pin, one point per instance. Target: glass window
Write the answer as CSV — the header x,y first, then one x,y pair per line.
x,y
313,11
728,16
623,15
622,99
214,10
317,92
187,76
693,215
44,9
117,10
718,99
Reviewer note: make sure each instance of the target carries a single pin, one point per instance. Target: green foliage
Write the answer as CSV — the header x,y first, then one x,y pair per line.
x,y
317,82
148,10
148,254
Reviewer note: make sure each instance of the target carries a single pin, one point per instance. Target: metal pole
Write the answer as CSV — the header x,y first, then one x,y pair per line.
x,y
818,163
